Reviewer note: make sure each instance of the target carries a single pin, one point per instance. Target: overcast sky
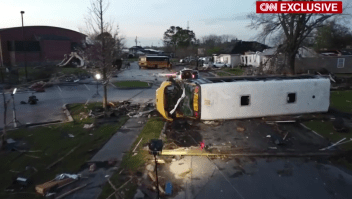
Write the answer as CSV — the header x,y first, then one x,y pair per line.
x,y
146,19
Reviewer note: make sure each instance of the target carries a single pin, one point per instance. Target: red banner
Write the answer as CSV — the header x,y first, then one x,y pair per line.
x,y
319,7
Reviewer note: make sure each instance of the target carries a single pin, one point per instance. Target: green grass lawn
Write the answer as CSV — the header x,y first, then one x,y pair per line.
x,y
339,100
343,75
131,84
53,142
342,100
235,71
133,163
230,72
326,129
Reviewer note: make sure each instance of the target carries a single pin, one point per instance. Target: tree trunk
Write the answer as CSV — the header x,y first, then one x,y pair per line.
x,y
3,136
105,98
291,59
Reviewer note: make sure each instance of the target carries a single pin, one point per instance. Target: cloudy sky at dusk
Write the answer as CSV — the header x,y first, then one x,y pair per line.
x,y
147,20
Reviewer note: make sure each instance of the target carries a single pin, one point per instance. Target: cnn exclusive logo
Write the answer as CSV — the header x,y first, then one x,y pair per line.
x,y
321,7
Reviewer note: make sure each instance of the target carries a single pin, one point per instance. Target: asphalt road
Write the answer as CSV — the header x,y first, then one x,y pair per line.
x,y
270,178
49,107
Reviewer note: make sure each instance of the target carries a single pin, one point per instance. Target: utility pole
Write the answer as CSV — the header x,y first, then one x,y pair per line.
x,y
24,48
187,25
136,40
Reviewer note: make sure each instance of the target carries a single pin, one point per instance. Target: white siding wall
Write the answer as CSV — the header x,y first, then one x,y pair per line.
x,y
223,100
235,60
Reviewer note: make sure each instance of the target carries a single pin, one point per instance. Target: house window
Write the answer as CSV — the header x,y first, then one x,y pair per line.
x,y
291,98
340,62
245,100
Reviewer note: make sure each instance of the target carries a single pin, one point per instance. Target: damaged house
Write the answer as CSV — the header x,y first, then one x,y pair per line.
x,y
232,55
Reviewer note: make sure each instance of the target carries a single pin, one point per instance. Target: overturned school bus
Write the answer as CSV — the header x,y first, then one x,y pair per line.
x,y
188,96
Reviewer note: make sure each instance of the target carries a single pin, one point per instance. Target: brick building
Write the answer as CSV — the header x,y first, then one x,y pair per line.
x,y
41,44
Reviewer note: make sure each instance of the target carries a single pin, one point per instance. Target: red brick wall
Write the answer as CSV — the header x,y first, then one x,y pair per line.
x,y
51,49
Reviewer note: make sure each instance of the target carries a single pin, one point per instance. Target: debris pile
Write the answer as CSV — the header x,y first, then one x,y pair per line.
x,y
122,108
40,86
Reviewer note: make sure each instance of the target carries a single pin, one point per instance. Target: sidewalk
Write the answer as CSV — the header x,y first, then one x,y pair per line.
x,y
114,148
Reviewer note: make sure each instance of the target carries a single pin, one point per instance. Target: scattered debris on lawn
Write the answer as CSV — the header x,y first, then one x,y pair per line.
x,y
57,183
88,126
329,147
137,145
60,159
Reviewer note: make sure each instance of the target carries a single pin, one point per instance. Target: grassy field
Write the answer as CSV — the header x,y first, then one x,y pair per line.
x,y
130,84
51,143
342,100
131,164
326,129
343,75
230,72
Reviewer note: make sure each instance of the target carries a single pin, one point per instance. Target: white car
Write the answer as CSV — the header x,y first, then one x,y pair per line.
x,y
219,65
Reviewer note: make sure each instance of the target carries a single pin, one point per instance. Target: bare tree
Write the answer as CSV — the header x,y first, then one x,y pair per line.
x,y
104,44
296,28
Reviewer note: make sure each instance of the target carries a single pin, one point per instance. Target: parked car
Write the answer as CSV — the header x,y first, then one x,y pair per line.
x,y
219,65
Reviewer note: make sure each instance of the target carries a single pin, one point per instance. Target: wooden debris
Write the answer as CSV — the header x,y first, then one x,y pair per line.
x,y
137,145
240,129
162,191
44,188
116,191
71,191
60,159
185,173
160,161
92,167
151,176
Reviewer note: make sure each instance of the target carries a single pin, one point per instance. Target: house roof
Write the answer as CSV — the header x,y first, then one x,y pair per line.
x,y
20,27
243,46
240,47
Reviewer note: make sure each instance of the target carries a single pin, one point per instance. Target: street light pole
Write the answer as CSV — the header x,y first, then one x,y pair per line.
x,y
97,77
24,48
14,120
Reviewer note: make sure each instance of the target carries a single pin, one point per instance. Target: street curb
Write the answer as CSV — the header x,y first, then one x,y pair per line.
x,y
67,112
213,74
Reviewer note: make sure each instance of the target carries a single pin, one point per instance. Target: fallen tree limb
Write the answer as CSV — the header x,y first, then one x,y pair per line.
x,y
57,161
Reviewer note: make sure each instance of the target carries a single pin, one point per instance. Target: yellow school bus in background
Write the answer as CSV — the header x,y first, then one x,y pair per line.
x,y
154,62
